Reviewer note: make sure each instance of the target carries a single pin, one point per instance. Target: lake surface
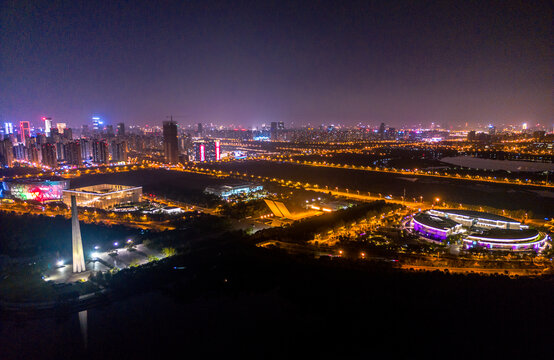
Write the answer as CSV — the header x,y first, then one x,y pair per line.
x,y
491,164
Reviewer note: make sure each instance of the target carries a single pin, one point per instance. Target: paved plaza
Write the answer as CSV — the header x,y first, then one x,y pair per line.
x,y
104,261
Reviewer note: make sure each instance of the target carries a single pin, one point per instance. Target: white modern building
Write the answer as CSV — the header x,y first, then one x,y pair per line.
x,y
103,196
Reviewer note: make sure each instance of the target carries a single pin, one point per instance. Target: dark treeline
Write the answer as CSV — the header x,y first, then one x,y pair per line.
x,y
32,235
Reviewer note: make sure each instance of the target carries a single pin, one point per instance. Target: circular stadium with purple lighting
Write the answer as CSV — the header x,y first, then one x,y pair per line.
x,y
477,229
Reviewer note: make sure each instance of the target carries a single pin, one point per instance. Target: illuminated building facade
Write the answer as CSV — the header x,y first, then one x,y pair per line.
x,y
434,227
213,150
207,150
39,189
61,127
103,196
199,151
226,191
97,123
47,125
8,128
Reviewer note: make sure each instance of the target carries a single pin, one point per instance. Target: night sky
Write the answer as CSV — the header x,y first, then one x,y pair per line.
x,y
249,63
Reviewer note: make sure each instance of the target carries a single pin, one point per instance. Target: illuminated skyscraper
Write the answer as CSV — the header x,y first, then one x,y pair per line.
x,y
61,127
213,150
8,128
199,151
171,146
97,123
47,125
77,242
25,130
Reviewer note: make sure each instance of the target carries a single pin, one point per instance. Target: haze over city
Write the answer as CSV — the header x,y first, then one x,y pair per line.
x,y
403,63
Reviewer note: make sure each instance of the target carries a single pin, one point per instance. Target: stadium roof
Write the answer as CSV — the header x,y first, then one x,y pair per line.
x,y
435,221
477,214
507,234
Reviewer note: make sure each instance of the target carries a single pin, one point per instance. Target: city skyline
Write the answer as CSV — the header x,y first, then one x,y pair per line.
x,y
398,63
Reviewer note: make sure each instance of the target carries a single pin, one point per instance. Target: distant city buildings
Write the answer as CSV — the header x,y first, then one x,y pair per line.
x,y
277,130
101,143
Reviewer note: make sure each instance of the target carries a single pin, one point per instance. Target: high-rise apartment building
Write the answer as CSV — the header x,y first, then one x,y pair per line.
x,y
8,128
6,152
171,145
86,149
199,148
213,150
72,152
119,150
121,129
100,152
49,157
34,153
25,131
47,125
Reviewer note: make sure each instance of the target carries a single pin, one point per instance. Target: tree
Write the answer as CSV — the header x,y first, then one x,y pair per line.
x,y
168,251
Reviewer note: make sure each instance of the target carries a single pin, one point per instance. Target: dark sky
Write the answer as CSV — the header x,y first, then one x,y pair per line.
x,y
240,62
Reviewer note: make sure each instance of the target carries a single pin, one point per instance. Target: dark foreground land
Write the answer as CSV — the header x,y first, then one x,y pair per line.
x,y
225,298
